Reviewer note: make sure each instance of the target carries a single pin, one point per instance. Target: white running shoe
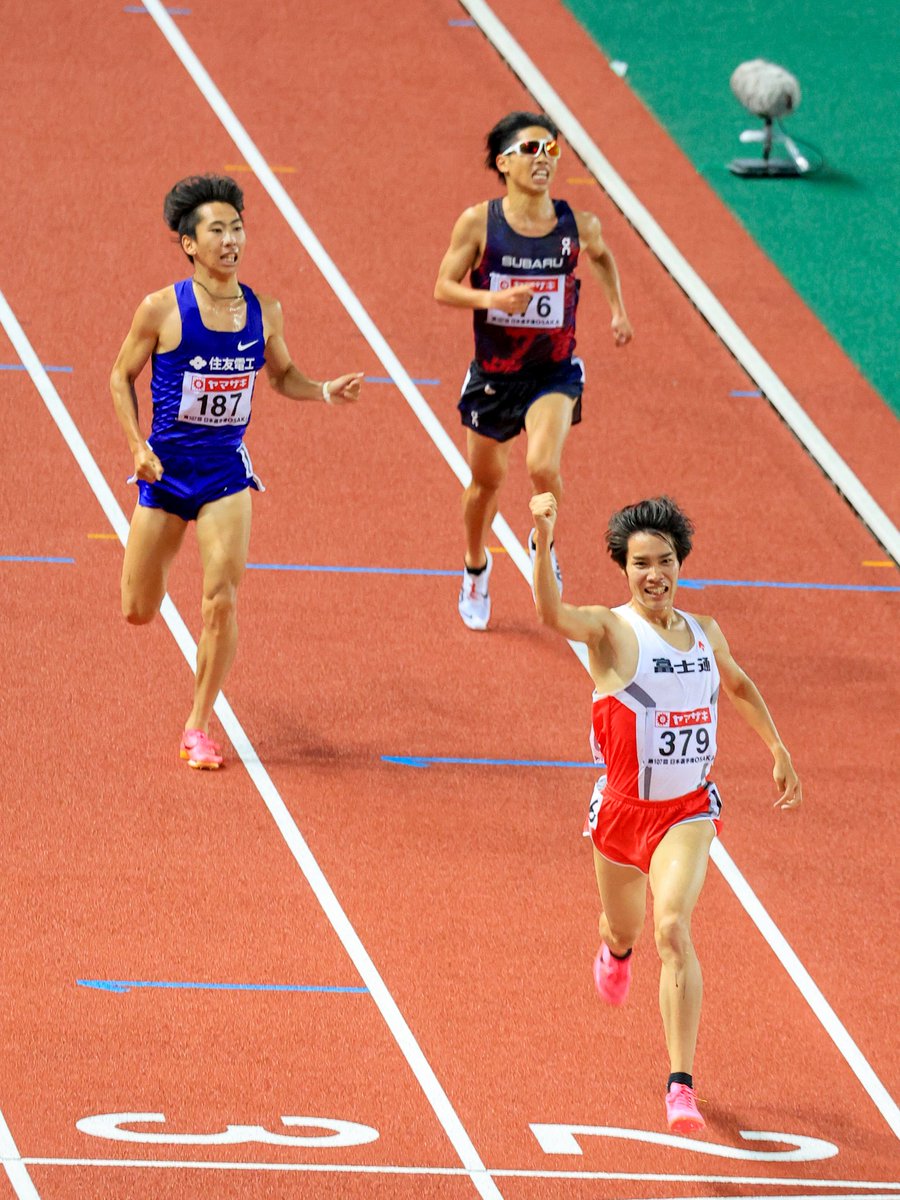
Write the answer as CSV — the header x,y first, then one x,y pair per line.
x,y
474,600
532,551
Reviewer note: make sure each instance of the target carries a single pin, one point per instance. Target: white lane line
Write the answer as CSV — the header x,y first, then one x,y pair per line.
x,y
394,1019
14,1165
865,1186
775,391
836,1030
807,987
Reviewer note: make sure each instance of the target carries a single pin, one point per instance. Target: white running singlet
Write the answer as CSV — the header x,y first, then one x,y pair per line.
x,y
657,736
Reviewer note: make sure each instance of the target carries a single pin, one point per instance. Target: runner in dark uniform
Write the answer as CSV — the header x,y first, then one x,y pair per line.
x,y
521,251
208,337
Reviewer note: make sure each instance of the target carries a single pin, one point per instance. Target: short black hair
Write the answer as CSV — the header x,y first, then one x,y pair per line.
x,y
505,132
661,516
188,195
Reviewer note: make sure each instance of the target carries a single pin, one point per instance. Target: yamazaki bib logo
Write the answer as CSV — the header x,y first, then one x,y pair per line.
x,y
679,720
536,285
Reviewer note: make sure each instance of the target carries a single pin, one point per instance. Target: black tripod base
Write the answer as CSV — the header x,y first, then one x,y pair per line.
x,y
759,168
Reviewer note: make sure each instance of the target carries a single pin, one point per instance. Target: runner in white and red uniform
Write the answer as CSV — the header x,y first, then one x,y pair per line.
x,y
658,737
520,251
657,672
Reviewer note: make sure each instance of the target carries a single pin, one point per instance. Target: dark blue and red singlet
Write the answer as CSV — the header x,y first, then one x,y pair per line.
x,y
545,333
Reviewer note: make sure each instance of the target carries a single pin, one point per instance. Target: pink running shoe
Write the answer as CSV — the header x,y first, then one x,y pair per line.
x,y
612,976
200,752
681,1110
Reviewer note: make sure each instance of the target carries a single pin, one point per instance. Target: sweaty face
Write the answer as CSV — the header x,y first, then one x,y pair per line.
x,y
651,570
529,171
218,241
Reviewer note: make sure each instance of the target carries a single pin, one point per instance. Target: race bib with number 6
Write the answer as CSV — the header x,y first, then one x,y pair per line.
x,y
546,308
216,399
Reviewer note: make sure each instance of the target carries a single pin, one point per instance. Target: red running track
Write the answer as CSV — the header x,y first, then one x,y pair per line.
x,y
469,886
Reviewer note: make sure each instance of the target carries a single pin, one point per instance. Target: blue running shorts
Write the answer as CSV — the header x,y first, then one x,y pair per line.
x,y
190,482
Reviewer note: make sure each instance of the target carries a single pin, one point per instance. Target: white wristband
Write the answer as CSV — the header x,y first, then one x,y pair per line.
x,y
326,395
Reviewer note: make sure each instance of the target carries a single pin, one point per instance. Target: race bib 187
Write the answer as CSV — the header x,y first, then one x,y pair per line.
x,y
216,399
546,308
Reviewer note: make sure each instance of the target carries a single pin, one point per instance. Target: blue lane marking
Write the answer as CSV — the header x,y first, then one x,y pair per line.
x,y
21,367
422,761
387,379
685,583
139,8
737,392
125,985
347,570
461,21
763,583
33,558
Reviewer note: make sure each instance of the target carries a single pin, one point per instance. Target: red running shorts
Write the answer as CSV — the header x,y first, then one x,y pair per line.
x,y
627,830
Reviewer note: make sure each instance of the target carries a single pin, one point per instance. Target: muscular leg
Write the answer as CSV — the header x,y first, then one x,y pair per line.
x,y
488,461
547,424
153,541
623,894
677,872
223,532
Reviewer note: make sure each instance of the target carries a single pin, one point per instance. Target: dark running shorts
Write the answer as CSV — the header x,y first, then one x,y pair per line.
x,y
496,405
189,483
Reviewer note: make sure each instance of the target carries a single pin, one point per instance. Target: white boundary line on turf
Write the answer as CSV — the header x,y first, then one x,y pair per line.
x,y
857,1185
301,229
775,391
396,1023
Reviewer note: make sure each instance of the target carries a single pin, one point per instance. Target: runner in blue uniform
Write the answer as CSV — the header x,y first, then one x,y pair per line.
x,y
208,337
521,252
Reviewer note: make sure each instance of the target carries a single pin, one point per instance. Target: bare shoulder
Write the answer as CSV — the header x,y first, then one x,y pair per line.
x,y
591,233
270,305
472,221
156,307
589,226
272,315
711,628
607,622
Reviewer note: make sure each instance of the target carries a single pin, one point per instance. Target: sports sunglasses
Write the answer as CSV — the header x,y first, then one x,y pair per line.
x,y
534,146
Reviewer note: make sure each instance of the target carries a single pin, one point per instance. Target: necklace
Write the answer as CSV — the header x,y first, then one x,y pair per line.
x,y
239,296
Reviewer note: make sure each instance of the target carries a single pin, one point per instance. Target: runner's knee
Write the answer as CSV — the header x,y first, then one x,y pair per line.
x,y
488,480
673,937
137,614
139,610
219,606
544,473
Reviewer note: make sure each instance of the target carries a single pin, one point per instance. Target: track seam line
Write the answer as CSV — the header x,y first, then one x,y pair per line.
x,y
390,1011
775,391
310,242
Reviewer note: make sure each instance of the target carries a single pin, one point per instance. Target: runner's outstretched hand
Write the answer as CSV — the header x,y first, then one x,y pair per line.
x,y
344,389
